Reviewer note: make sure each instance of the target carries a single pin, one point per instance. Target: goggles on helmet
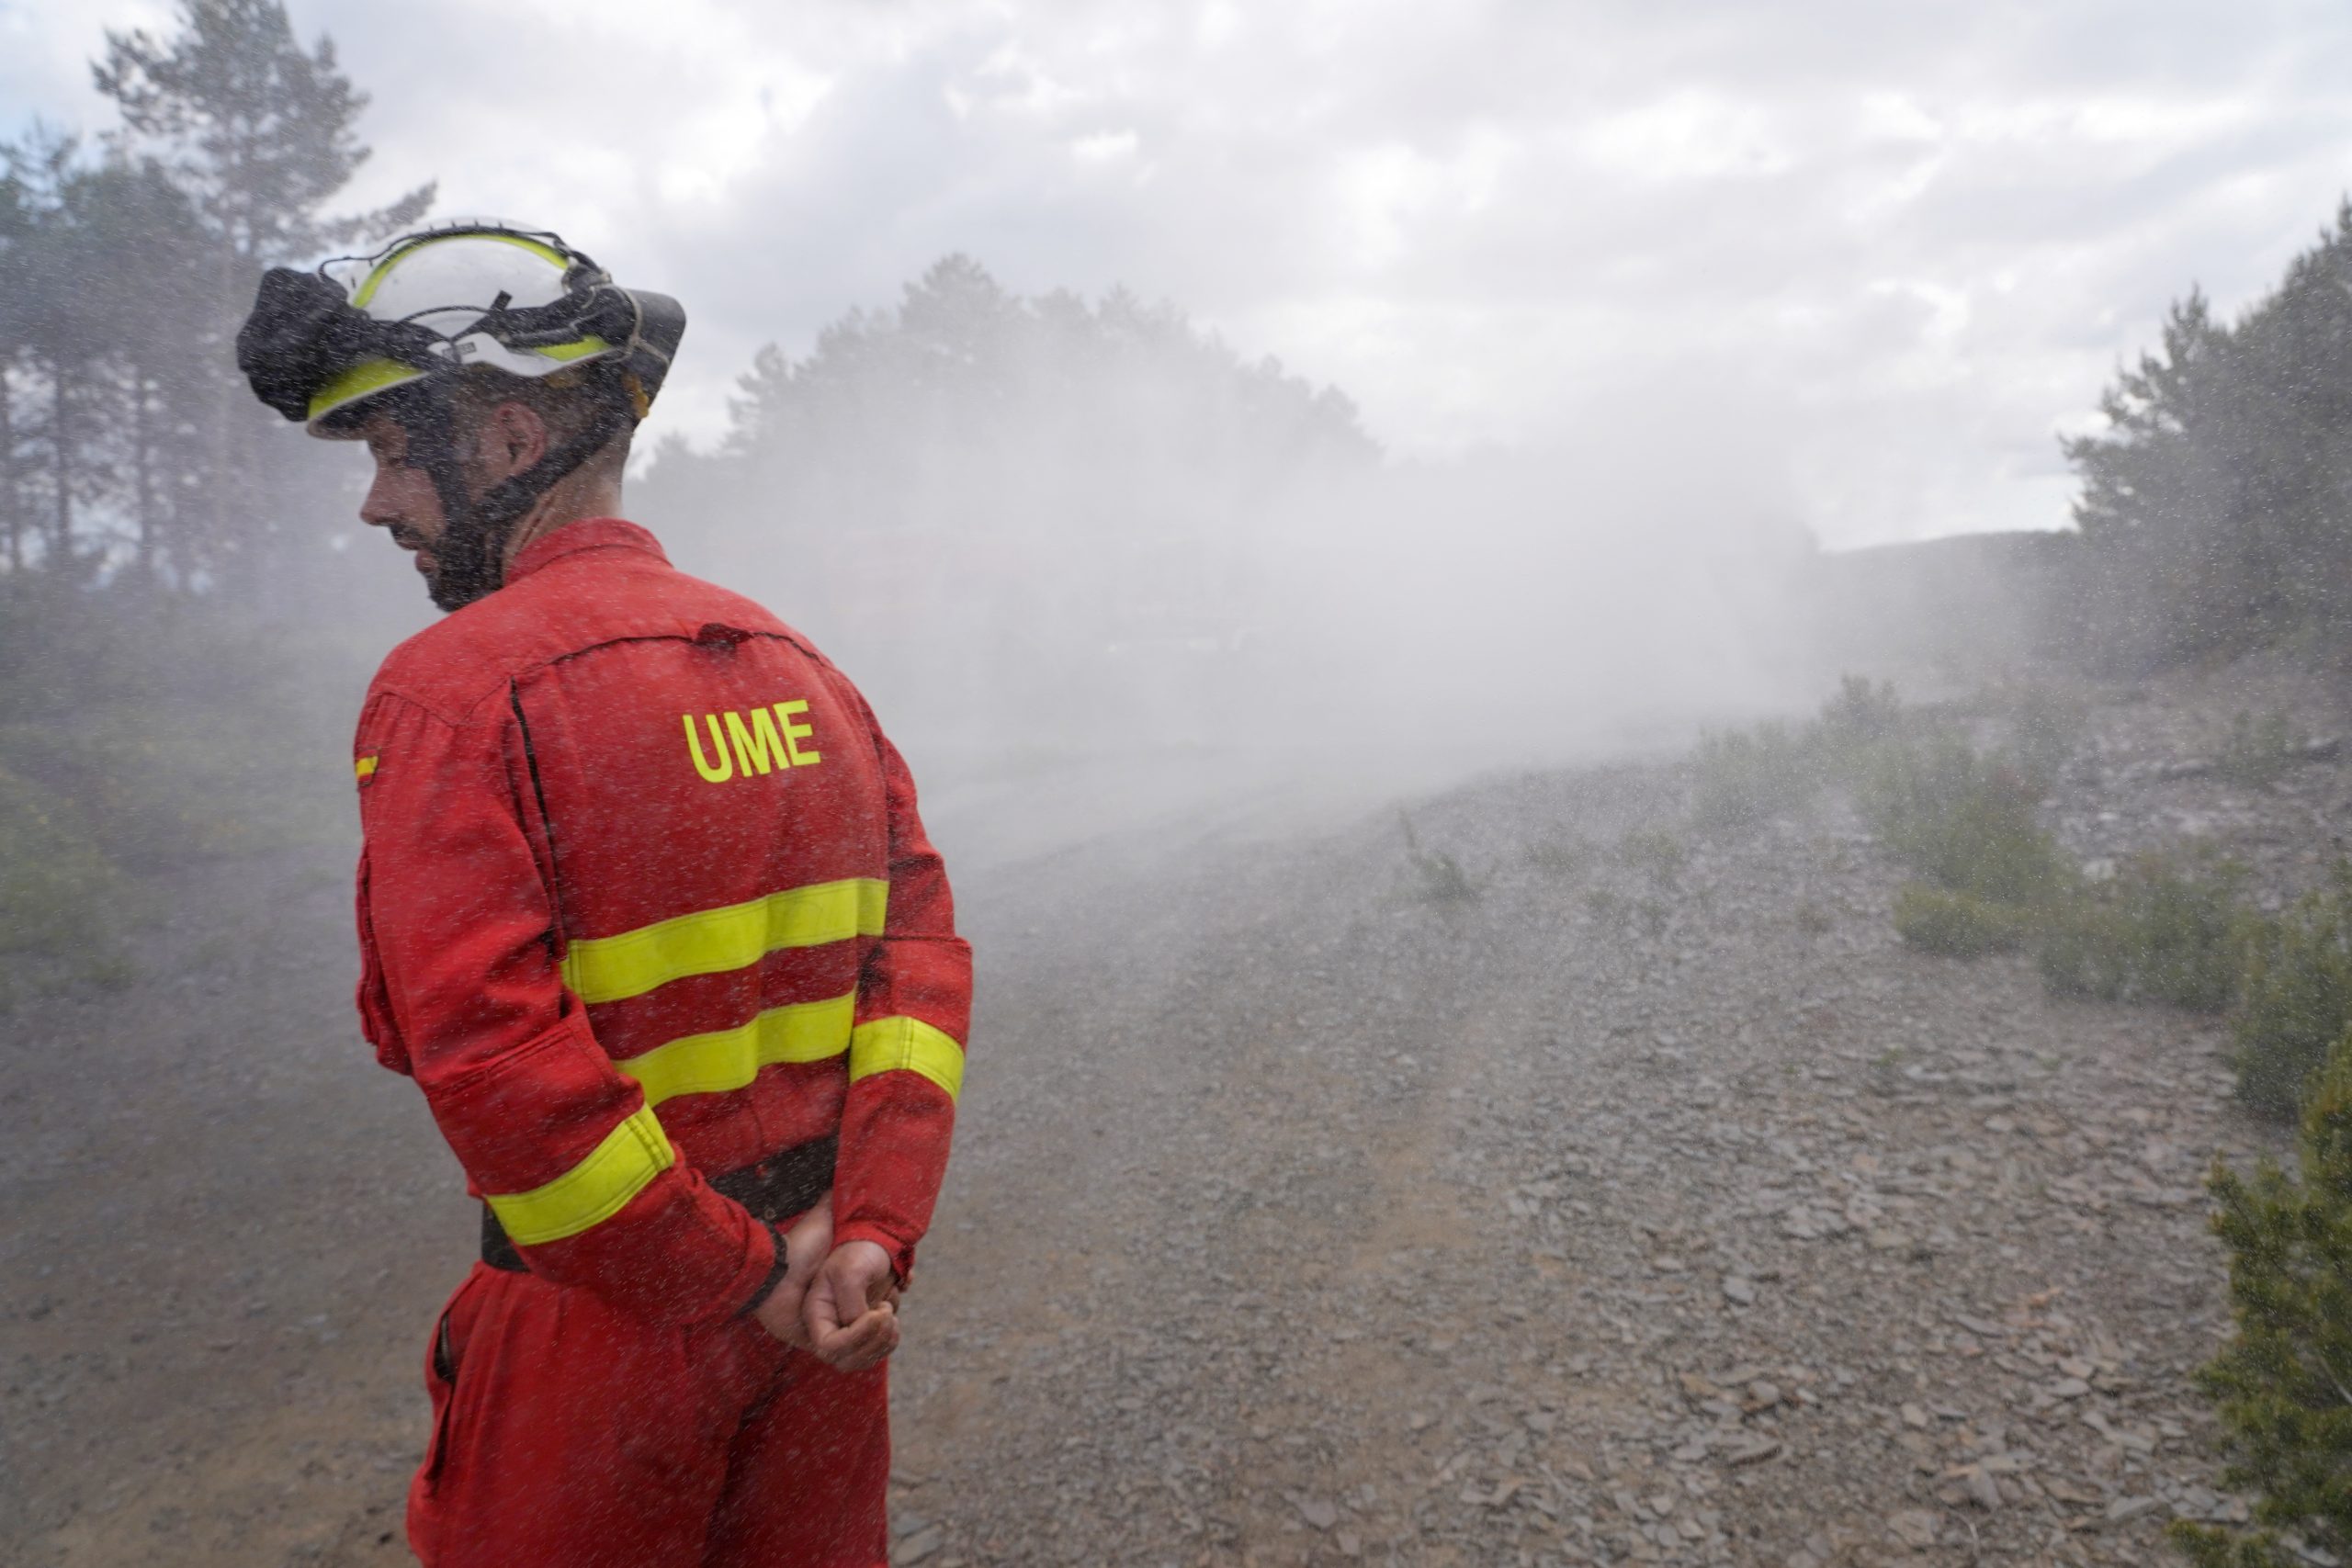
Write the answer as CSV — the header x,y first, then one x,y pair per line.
x,y
394,331
464,296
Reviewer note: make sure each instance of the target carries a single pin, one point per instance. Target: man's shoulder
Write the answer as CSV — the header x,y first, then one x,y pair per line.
x,y
451,667
456,666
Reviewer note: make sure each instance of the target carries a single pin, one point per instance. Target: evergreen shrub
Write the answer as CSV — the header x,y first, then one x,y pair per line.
x,y
2280,1384
1955,925
2165,931
2296,996
1746,777
2260,751
1964,822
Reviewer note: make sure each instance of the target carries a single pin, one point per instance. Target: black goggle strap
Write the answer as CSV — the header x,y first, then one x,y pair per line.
x,y
598,309
603,310
431,424
432,447
509,499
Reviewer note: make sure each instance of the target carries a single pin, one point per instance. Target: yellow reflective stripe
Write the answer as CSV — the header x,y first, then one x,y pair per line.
x,y
611,969
889,1045
383,269
729,1058
359,381
570,351
592,1191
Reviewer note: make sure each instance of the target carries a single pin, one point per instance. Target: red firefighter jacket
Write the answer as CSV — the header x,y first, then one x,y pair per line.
x,y
645,898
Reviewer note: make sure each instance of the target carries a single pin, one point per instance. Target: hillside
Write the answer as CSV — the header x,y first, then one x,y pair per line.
x,y
1653,1204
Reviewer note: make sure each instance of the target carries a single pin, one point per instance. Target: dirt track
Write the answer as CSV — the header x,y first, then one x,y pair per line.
x,y
1294,1218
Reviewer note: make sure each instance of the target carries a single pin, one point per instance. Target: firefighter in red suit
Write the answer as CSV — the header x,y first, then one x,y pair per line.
x,y
647,911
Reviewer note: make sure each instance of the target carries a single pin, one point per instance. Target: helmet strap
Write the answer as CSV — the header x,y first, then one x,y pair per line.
x,y
471,551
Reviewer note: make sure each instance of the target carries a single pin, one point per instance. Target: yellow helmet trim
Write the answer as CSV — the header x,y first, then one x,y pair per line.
x,y
372,376
363,380
567,352
383,269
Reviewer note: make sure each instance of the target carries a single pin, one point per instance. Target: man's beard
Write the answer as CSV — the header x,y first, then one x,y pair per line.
x,y
470,562
470,556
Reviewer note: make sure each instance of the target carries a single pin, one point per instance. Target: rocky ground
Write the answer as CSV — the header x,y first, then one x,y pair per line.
x,y
1628,1206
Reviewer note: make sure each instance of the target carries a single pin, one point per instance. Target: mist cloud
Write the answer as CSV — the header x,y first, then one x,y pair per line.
x,y
1919,238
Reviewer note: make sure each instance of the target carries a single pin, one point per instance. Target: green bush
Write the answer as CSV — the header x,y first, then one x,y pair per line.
x,y
2279,1384
1437,877
161,784
1964,823
2045,731
2164,931
2190,934
1746,777
57,889
137,732
2083,949
2260,751
179,727
1657,852
1860,713
2298,996
1954,924
1560,857
1855,726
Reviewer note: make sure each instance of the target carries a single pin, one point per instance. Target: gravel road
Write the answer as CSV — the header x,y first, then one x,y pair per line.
x,y
1621,1212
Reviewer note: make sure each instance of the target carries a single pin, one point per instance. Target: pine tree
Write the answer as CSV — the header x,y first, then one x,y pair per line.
x,y
57,332
99,337
2284,1384
15,304
2216,509
260,134
145,357
1040,478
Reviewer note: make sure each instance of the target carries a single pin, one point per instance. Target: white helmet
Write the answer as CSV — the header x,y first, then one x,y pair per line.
x,y
394,332
469,294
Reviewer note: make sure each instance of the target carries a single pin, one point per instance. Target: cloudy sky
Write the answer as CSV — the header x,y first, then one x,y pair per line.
x,y
1899,247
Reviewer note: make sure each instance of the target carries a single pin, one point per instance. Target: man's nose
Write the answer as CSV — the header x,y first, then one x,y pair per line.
x,y
380,507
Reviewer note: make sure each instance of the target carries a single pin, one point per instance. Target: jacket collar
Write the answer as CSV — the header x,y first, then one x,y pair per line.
x,y
586,533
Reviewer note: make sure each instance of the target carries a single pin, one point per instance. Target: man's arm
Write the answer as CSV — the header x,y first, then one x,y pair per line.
x,y
906,1055
458,915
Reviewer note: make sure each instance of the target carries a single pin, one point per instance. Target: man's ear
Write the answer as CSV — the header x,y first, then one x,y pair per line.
x,y
517,434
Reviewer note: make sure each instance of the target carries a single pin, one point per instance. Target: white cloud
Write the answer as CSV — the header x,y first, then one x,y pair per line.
x,y
1105,147
1689,134
1910,242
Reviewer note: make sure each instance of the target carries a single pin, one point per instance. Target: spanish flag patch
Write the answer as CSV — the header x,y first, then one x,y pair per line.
x,y
365,768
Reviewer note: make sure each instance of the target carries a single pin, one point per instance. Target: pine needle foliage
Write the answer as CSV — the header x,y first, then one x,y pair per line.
x,y
1746,777
2298,996
1437,876
1955,925
1861,712
1743,779
2169,930
2283,1385
2260,751
1966,822
2046,729
2212,502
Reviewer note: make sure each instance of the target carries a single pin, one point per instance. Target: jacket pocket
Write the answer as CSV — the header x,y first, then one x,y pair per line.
x,y
375,1000
445,1355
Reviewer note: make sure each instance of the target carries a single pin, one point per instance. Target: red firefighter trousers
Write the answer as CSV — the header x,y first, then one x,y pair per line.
x,y
570,1436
